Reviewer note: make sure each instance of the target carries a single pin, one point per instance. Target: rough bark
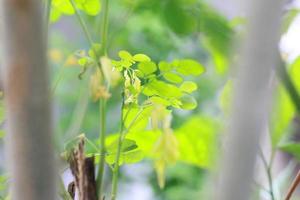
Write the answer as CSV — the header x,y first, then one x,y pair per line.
x,y
25,79
251,99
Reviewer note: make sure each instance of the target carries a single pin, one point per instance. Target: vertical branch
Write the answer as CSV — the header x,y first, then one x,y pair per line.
x,y
26,86
118,154
102,102
251,99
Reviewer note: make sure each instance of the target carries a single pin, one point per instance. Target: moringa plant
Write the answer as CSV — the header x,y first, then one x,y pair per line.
x,y
150,91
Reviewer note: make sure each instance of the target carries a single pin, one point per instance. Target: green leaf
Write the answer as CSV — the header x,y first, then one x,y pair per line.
x,y
281,116
197,139
64,7
188,86
90,7
127,145
141,58
188,102
291,148
163,89
189,67
172,77
82,61
198,143
129,157
137,118
284,111
147,67
159,100
164,66
125,55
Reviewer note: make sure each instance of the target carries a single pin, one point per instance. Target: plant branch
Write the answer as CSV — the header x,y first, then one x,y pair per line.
x,y
104,28
99,180
267,167
293,186
82,23
102,103
118,154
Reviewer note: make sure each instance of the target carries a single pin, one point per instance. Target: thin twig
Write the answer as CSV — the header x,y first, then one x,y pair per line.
x,y
293,186
269,173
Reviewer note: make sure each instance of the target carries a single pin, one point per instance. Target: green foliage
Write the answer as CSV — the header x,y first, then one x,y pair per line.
x,y
143,76
282,114
291,148
197,141
64,7
188,87
129,152
178,17
283,110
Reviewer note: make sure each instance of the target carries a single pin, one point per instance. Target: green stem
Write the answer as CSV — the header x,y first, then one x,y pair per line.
x,y
123,132
104,28
118,154
87,35
268,168
102,104
102,109
82,23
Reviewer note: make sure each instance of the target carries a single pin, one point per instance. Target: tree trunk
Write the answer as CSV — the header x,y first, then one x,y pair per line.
x,y
251,99
29,142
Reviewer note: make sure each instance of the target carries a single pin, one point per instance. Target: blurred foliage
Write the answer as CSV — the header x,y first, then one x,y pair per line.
x,y
185,36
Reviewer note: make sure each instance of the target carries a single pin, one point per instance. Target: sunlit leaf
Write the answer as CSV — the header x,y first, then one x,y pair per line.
x,y
147,67
127,145
141,58
281,116
137,119
198,141
90,7
129,157
188,102
172,77
188,86
165,66
189,67
159,100
164,89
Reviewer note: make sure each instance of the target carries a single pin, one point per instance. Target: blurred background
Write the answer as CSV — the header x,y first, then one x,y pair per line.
x,y
168,30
